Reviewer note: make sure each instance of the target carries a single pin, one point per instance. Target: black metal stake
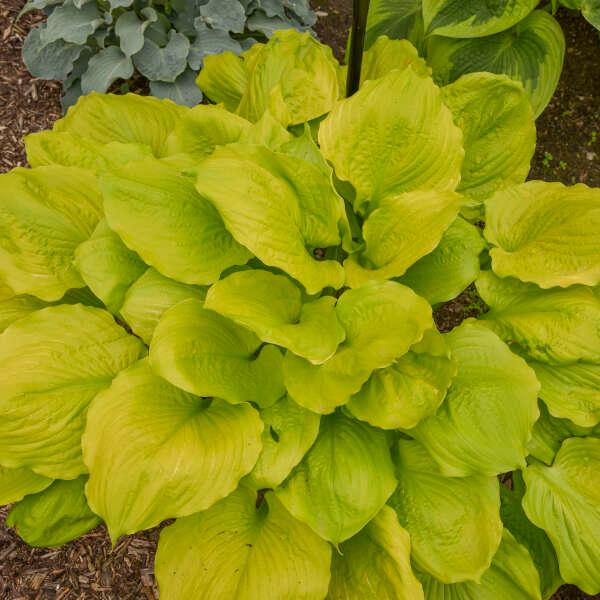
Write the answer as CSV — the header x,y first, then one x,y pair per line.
x,y
357,43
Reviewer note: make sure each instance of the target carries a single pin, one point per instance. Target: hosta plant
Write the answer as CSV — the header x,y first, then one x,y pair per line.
x,y
223,315
518,38
90,44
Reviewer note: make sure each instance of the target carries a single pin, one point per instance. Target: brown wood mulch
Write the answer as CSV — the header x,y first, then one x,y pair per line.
x,y
89,569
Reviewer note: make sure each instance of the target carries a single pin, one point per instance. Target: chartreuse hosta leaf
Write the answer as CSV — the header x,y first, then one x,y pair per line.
x,y
450,268
13,307
223,79
564,500
15,484
545,233
497,121
271,306
402,230
453,522
245,553
183,453
375,563
206,354
485,423
382,321
396,18
343,481
551,326
52,364
279,207
512,574
289,432
385,147
411,389
54,516
171,209
460,19
531,52
45,214
269,132
131,118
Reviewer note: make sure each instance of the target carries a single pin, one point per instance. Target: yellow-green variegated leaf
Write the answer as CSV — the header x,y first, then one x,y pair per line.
x,y
497,121
411,389
545,233
279,207
52,364
531,52
394,135
149,297
564,500
289,432
155,452
398,19
236,551
159,214
375,563
54,516
448,270
293,76
512,574
206,354
15,484
223,78
460,19
551,326
344,480
485,423
45,213
382,321
107,266
401,231
13,307
129,119
271,306
453,522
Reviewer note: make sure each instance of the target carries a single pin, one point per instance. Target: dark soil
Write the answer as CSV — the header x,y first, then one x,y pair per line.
x,y
88,569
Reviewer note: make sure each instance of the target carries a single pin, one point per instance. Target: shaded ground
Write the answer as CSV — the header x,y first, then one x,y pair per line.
x,y
87,569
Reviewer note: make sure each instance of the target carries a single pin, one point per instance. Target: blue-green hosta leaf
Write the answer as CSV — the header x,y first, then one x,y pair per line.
x,y
448,270
52,364
14,307
49,61
227,364
203,128
344,480
223,79
15,484
472,18
130,30
531,52
295,198
130,118
394,135
375,564
497,121
564,500
290,431
397,19
71,24
107,266
271,306
270,26
382,321
182,91
485,423
209,42
550,326
293,76
402,230
532,537
150,205
183,453
163,63
226,15
512,574
411,389
54,516
149,297
453,522
104,69
45,213
235,551
545,233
